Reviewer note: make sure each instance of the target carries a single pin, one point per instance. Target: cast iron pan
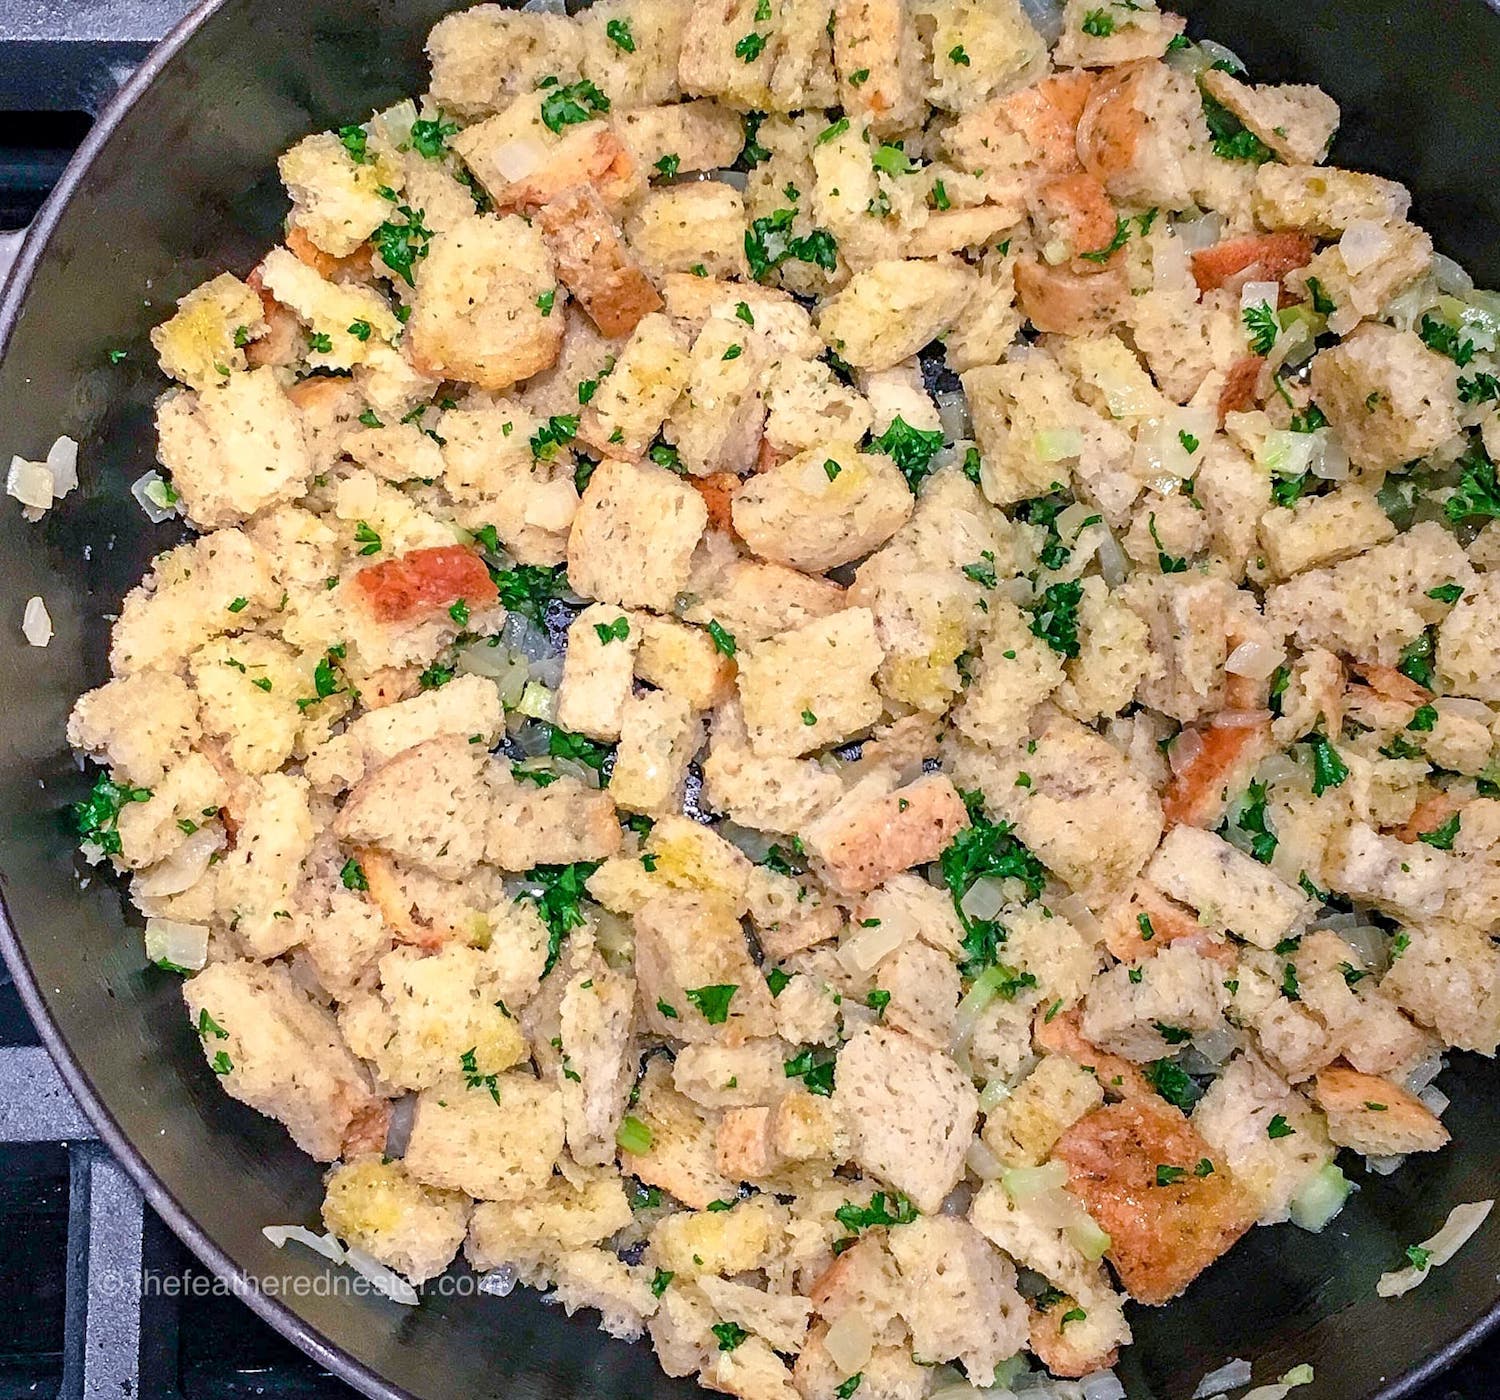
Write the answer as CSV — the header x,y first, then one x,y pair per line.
x,y
177,182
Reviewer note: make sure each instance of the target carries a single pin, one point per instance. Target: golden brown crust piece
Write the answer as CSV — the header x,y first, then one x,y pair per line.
x,y
1162,1235
594,263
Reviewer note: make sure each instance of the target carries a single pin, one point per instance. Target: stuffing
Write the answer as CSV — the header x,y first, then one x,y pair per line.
x,y
1374,1116
911,1112
598,668
632,540
1321,530
476,315
233,449
681,1157
1325,200
277,1050
644,68
685,661
1141,1012
717,425
892,309
1162,1235
1363,288
139,724
879,39
375,1206
594,263
205,341
336,198
753,601
1015,672
1296,120
810,687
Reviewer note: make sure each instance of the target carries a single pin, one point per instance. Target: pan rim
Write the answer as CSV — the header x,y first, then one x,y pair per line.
x,y
270,1308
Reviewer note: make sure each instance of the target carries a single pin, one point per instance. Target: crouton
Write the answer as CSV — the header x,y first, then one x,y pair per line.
x,y
998,44
257,878
1139,1013
659,736
275,1049
1023,1127
686,661
1404,254
644,69
780,1319
558,824
1320,530
1296,120
877,831
1374,1116
1373,606
1085,1344
629,405
766,793
1234,1116
810,687
716,426
496,1139
140,725
1448,978
688,947
597,670
476,315
752,601
482,57
204,342
1324,200
427,805
565,1214
1227,756
233,449
593,262
1232,892
1466,642
685,136
1388,397
375,1206
633,537
892,309
879,39
825,506
680,1158
1163,1233
1136,34
911,1111
1024,413
1015,672
600,1060
336,199
680,228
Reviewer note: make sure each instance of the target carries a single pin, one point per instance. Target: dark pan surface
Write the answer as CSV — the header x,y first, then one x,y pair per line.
x,y
176,183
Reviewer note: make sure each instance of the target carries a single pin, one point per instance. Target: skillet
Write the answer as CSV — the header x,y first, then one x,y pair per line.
x,y
176,182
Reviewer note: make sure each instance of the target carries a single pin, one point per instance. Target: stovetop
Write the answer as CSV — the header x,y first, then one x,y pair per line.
x,y
101,1301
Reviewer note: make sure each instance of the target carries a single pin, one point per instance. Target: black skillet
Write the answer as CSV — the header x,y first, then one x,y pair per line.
x,y
176,182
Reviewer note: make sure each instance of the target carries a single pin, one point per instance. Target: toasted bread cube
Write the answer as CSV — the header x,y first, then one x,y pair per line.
x,y
681,1156
911,1110
141,725
879,38
1023,1127
765,793
598,667
258,877
496,1142
1387,395
475,317
1466,643
375,1206
601,1055
336,200
1230,890
980,48
594,263
726,1242
826,506
1162,1236
659,735
731,1076
1296,120
811,687
484,56
752,601
275,1049
1449,978
1179,989
568,1213
1320,530
877,832
644,70
1364,290
1083,1345
1374,1116
680,228
1016,672
234,449
563,822
1324,200
1143,32
632,401
633,537
700,135
890,310
686,661
716,425
203,343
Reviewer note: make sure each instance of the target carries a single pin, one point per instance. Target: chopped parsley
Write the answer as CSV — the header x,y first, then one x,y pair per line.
x,y
546,301
1098,24
1418,1257
97,816
712,1002
776,980
769,242
616,631
1477,496
877,999
1441,838
668,165
1263,326
355,141
1446,592
366,538
1054,617
885,1210
1231,141
659,1281
1188,441
729,1335
435,676
723,640
473,1078
1173,1083
1441,337
815,1072
429,139
1329,770
617,31
1278,1127
1481,388
848,1386
1168,1175
572,104
558,431
892,160
750,47
1167,563
320,343
402,245
911,449
559,900
983,571
1422,720
986,850
528,588
1252,821
1104,254
1415,661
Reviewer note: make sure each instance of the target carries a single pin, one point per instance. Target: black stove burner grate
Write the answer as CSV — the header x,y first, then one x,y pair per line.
x,y
80,1240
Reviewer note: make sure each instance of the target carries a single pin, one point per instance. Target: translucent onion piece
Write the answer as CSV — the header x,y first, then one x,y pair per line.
x,y
183,868
148,490
36,623
1230,1376
176,944
398,1131
1254,659
1363,244
30,483
1047,18
325,1245
1102,1385
850,1342
982,1162
387,1282
953,412
863,950
1183,750
62,462
1461,1223
1023,1184
1260,294
1321,1198
500,1282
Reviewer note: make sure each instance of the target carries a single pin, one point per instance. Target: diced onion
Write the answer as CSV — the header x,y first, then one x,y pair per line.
x,y
152,494
1363,244
982,1162
1435,1099
1047,18
1023,1184
387,1282
1460,1225
953,413
508,669
1218,53
183,868
1076,911
500,1282
1254,294
983,899
62,462
1287,453
994,1093
521,634
1216,1044
516,159
1423,1073
1320,1198
1087,1236
36,623
30,483
1254,659
1102,1385
1201,233
1241,719
863,950
1230,1376
850,1342
537,702
1113,564
1298,1375
985,989
548,671
398,1129
325,1245
1183,751
172,943
1057,444
1385,1166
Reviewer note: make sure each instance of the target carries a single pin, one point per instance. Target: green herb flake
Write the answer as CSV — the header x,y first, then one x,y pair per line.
x,y
723,640
572,104
616,631
1278,1127
353,876
558,894
617,31
712,1002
